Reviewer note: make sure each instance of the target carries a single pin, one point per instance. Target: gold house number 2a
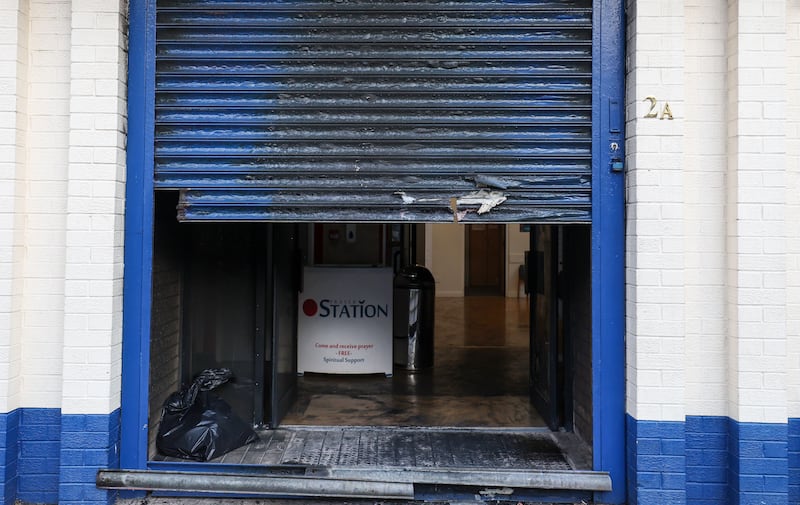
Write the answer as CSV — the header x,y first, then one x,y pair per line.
x,y
664,113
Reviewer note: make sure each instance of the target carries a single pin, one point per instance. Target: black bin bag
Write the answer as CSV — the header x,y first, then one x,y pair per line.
x,y
197,424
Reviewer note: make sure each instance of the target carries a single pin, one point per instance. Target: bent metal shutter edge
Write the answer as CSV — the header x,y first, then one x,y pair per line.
x,y
360,110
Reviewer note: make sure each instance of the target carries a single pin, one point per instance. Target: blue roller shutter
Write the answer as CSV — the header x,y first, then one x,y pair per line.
x,y
360,110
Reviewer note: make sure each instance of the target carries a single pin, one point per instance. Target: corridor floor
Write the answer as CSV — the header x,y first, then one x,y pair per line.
x,y
479,377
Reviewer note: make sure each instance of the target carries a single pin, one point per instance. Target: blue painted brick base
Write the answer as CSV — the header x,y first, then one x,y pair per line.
x,y
9,455
758,463
49,458
39,445
46,457
88,443
656,463
793,455
713,461
707,460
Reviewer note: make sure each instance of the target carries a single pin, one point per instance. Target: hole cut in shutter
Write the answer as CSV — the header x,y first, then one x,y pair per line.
x,y
361,110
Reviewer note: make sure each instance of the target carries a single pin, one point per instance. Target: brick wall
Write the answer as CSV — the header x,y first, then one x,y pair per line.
x,y
792,215
655,299
707,230
50,458
793,460
656,462
95,207
33,183
62,113
38,460
165,322
704,196
756,186
707,460
9,455
731,191
13,138
45,202
757,466
792,227
64,99
88,443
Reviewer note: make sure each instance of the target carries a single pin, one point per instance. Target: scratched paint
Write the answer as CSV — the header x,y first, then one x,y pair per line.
x,y
318,111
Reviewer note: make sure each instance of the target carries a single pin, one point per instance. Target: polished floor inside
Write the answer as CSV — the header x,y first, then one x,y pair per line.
x,y
479,378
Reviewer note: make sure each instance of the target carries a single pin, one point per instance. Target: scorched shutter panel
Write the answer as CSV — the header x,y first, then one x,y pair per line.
x,y
358,110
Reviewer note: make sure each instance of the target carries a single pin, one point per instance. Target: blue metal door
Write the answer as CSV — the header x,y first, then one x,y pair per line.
x,y
362,110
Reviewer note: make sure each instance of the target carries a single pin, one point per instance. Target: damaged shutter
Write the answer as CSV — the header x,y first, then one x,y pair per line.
x,y
361,110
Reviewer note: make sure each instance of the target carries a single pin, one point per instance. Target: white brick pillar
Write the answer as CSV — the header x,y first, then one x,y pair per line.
x,y
95,206
705,164
654,235
46,184
13,138
756,219
792,217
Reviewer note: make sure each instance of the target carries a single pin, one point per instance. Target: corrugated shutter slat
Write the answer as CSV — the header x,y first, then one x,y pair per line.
x,y
356,110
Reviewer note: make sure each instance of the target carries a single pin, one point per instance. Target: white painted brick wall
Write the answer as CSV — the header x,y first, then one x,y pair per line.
x,y
713,254
95,208
756,187
705,195
713,303
13,133
45,202
655,233
792,215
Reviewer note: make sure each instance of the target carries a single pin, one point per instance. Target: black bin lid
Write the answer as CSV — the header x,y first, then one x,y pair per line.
x,y
414,276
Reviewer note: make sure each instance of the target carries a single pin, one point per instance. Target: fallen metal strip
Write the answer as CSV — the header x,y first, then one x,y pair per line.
x,y
149,480
531,479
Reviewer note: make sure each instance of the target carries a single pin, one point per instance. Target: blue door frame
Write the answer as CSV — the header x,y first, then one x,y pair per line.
x,y
608,283
608,245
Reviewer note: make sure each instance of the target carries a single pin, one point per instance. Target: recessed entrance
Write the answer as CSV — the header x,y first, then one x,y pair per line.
x,y
507,368
260,113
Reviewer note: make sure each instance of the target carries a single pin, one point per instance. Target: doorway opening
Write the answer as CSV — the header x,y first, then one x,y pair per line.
x,y
485,261
511,375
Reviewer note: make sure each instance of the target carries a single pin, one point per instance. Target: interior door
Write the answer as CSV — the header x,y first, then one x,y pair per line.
x,y
544,348
485,259
285,283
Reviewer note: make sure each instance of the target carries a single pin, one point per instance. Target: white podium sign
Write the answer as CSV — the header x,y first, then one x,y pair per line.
x,y
344,324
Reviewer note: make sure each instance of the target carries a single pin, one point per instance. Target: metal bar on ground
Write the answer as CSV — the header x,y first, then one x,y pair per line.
x,y
529,479
251,484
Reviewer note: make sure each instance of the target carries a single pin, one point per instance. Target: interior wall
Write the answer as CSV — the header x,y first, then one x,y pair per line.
x,y
165,321
444,256
349,244
446,261
517,242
